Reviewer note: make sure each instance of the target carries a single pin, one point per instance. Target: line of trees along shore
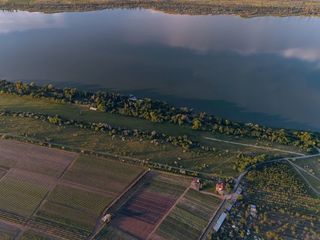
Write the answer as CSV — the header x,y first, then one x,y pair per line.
x,y
160,111
196,7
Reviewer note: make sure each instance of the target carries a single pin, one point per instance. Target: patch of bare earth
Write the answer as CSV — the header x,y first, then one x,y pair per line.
x,y
48,161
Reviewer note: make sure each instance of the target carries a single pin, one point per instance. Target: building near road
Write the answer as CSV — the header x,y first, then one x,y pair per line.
x,y
196,184
253,210
220,187
220,221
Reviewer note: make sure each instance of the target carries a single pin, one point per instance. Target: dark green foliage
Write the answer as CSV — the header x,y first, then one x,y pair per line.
x,y
159,111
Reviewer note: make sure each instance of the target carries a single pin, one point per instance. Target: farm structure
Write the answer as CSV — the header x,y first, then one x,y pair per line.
x,y
55,193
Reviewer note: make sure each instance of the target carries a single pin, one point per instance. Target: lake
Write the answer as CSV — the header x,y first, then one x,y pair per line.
x,y
264,70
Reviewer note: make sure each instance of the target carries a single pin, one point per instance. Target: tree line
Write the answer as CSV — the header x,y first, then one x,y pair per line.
x,y
161,111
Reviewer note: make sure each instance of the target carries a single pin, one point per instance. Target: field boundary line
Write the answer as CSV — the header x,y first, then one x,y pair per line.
x,y
254,146
168,212
99,224
204,233
304,170
82,187
5,174
54,185
123,159
305,179
44,199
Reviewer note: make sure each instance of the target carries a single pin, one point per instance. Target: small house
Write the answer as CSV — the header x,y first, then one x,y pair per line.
x,y
220,221
132,98
196,184
220,187
253,210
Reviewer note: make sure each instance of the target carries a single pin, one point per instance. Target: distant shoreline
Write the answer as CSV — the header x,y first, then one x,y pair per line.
x,y
243,8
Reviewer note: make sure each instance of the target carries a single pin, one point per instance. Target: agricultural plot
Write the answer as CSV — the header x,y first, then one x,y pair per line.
x,y
31,235
74,207
33,158
55,192
100,173
22,192
7,232
89,186
189,217
137,215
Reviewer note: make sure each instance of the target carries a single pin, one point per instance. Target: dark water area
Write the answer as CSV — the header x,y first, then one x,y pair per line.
x,y
264,70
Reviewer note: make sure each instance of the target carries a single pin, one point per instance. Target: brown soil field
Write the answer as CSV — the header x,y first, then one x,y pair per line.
x,y
145,206
34,158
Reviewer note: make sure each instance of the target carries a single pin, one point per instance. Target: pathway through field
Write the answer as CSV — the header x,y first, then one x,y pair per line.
x,y
254,146
168,212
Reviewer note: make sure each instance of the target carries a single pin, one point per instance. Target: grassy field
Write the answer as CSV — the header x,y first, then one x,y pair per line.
x,y
218,162
82,113
31,235
107,175
312,165
244,8
189,218
86,139
74,207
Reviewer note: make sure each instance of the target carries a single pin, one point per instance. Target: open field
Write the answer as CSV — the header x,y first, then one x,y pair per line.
x,y
55,191
286,208
189,217
138,212
106,175
82,113
85,190
22,192
311,165
97,141
73,207
32,235
33,158
165,153
244,8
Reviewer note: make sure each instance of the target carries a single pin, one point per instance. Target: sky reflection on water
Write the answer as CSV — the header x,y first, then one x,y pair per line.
x,y
262,69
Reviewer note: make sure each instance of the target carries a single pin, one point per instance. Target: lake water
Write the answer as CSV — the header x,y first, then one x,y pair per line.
x,y
264,70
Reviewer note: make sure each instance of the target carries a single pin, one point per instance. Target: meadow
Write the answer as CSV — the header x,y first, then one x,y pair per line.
x,y
199,160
